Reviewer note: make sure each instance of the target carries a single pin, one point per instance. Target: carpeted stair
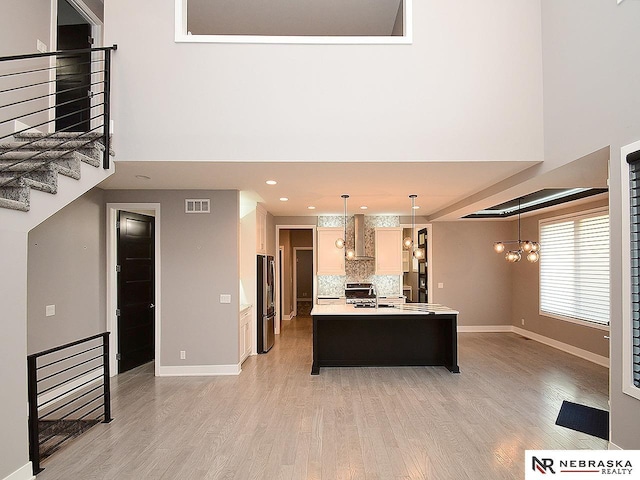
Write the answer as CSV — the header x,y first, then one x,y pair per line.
x,y
31,161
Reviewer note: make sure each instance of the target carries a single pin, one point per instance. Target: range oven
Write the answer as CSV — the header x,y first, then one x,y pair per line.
x,y
360,294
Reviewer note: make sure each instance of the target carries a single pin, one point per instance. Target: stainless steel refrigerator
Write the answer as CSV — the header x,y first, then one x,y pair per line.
x,y
266,306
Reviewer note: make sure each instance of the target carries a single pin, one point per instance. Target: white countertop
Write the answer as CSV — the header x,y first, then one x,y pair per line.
x,y
403,309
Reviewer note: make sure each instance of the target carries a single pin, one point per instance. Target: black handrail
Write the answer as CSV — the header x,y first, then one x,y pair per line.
x,y
78,111
59,53
69,402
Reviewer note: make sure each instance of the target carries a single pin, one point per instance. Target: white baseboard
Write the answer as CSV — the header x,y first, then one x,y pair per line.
x,y
199,370
613,446
485,328
23,473
565,347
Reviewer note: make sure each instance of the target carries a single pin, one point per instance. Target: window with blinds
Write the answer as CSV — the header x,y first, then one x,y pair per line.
x,y
574,267
634,197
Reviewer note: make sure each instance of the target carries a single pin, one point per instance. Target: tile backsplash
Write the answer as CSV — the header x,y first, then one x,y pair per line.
x,y
360,270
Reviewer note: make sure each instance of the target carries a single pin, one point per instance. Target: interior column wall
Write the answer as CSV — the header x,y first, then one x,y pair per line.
x,y
14,443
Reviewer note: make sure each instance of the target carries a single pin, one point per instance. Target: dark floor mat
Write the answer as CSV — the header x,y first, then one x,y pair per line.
x,y
589,420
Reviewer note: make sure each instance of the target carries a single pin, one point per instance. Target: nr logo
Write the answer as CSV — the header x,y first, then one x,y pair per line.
x,y
542,465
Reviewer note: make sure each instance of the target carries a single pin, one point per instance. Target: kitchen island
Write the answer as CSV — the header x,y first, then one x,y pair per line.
x,y
413,334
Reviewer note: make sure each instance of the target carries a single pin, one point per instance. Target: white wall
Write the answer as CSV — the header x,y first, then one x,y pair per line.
x,y
592,100
470,87
13,352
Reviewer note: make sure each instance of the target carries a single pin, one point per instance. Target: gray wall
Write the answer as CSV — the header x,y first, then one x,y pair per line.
x,y
591,100
526,294
66,268
199,255
477,282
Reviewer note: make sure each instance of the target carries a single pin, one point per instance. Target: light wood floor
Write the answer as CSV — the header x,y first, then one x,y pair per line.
x,y
276,421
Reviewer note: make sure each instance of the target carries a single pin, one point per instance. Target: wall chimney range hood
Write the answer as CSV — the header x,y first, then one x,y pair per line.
x,y
358,226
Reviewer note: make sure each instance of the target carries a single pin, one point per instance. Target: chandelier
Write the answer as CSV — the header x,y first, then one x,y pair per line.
x,y
524,247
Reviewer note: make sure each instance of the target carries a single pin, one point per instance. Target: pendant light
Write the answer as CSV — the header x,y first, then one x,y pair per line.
x,y
525,247
341,242
408,243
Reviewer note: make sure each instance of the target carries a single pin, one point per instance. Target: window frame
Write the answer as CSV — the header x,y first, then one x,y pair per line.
x,y
628,386
181,35
592,212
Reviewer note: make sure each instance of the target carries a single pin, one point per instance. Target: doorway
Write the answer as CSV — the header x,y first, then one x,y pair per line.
x,y
113,301
73,73
289,237
302,280
136,290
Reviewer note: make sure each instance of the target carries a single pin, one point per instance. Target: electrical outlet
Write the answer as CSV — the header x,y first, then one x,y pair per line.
x,y
50,310
522,319
41,46
183,355
225,298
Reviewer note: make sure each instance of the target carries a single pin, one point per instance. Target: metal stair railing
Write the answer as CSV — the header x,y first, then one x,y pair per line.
x,y
31,93
68,393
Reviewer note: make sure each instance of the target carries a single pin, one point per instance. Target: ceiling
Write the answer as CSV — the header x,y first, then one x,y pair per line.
x,y
383,187
292,17
446,190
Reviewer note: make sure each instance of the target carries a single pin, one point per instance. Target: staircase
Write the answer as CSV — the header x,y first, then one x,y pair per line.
x,y
34,161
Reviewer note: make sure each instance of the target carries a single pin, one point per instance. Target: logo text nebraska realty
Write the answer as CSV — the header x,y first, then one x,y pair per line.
x,y
573,464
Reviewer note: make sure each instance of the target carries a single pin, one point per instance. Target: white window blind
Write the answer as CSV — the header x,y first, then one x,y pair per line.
x,y
574,267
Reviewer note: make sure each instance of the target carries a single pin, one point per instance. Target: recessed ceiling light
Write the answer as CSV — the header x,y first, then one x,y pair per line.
x,y
143,177
311,207
284,199
271,182
363,207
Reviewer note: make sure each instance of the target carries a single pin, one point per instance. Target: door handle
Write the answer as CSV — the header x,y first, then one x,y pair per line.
x,y
152,306
607,337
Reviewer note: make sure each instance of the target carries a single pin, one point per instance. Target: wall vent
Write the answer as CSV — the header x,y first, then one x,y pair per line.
x,y
197,205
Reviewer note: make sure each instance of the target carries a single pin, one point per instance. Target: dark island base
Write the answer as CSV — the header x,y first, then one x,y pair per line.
x,y
385,340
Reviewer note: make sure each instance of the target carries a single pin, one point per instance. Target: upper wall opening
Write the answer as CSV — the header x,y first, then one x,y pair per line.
x,y
294,21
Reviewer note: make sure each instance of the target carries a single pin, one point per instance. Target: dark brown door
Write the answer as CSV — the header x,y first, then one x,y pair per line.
x,y
73,79
136,290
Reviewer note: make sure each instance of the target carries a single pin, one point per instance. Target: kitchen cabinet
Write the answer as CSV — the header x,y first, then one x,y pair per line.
x,y
261,230
330,259
244,340
406,260
388,247
423,294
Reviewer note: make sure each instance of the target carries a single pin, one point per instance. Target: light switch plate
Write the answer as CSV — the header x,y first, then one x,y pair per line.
x,y
440,285
50,310
225,298
41,46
